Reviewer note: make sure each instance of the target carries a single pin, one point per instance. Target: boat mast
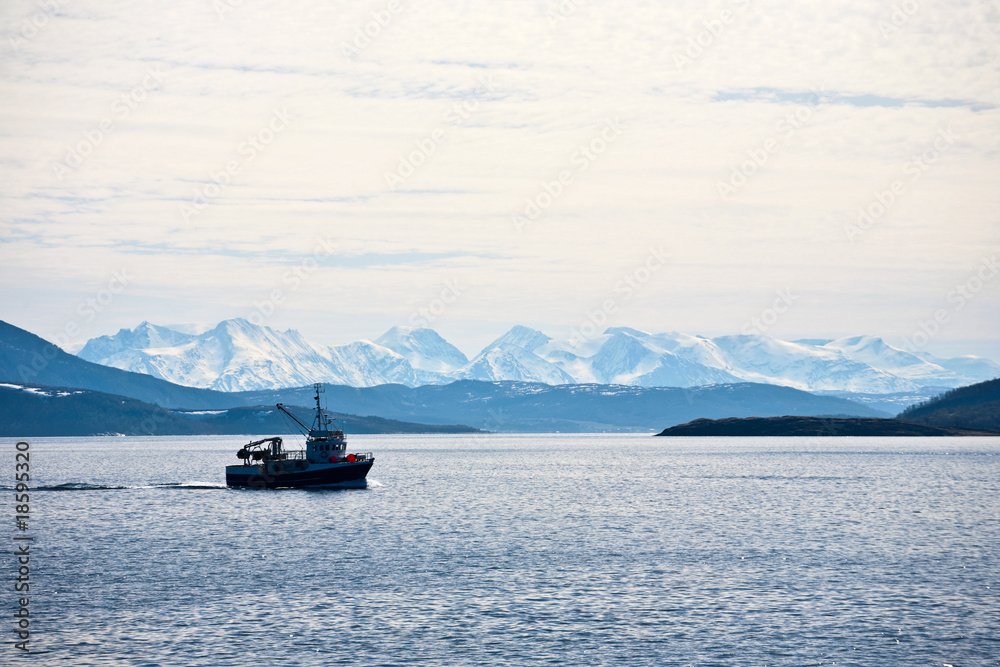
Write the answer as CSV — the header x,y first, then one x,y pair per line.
x,y
321,422
319,409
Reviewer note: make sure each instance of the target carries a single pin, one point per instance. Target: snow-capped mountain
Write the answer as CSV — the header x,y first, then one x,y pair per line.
x,y
968,365
512,357
922,368
237,355
240,356
629,356
874,352
758,358
423,348
145,336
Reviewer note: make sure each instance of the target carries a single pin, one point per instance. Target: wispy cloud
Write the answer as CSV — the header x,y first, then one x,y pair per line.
x,y
877,99
829,97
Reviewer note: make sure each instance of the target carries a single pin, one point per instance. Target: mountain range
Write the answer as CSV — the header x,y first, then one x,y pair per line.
x,y
237,355
46,391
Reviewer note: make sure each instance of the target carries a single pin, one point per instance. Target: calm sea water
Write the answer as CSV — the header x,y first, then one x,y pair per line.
x,y
517,550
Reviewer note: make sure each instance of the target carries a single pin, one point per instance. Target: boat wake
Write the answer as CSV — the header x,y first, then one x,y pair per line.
x,y
85,486
191,485
81,486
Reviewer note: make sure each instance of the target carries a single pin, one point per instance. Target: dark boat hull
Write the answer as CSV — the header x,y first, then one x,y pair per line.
x,y
336,474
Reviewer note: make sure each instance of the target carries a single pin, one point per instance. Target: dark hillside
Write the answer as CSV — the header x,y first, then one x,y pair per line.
x,y
27,359
33,410
811,426
976,406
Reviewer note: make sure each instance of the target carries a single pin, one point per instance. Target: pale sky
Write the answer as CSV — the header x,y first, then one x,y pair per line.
x,y
364,178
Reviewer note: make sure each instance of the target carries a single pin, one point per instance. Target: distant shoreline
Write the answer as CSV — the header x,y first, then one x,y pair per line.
x,y
813,426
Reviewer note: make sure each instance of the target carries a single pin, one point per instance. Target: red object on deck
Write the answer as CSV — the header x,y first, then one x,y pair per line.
x,y
351,458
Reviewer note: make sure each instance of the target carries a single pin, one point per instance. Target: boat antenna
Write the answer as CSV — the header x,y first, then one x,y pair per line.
x,y
322,420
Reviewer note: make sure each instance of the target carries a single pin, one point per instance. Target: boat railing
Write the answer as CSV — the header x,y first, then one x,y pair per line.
x,y
300,455
359,457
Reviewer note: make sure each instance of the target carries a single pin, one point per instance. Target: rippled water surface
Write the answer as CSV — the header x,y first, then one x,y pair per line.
x,y
518,550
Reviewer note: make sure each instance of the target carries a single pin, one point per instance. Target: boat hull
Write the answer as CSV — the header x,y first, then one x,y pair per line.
x,y
315,475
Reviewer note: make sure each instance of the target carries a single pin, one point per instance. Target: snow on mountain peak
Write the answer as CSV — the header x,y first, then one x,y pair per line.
x,y
625,330
504,361
924,370
239,325
144,336
424,348
236,354
675,360
866,341
759,358
523,337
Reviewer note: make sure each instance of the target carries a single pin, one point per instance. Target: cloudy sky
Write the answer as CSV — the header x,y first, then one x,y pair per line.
x,y
828,168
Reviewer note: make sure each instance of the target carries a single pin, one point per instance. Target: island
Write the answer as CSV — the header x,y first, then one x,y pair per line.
x,y
814,426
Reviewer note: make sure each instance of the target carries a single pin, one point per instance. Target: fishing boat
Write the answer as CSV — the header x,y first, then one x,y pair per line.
x,y
323,462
